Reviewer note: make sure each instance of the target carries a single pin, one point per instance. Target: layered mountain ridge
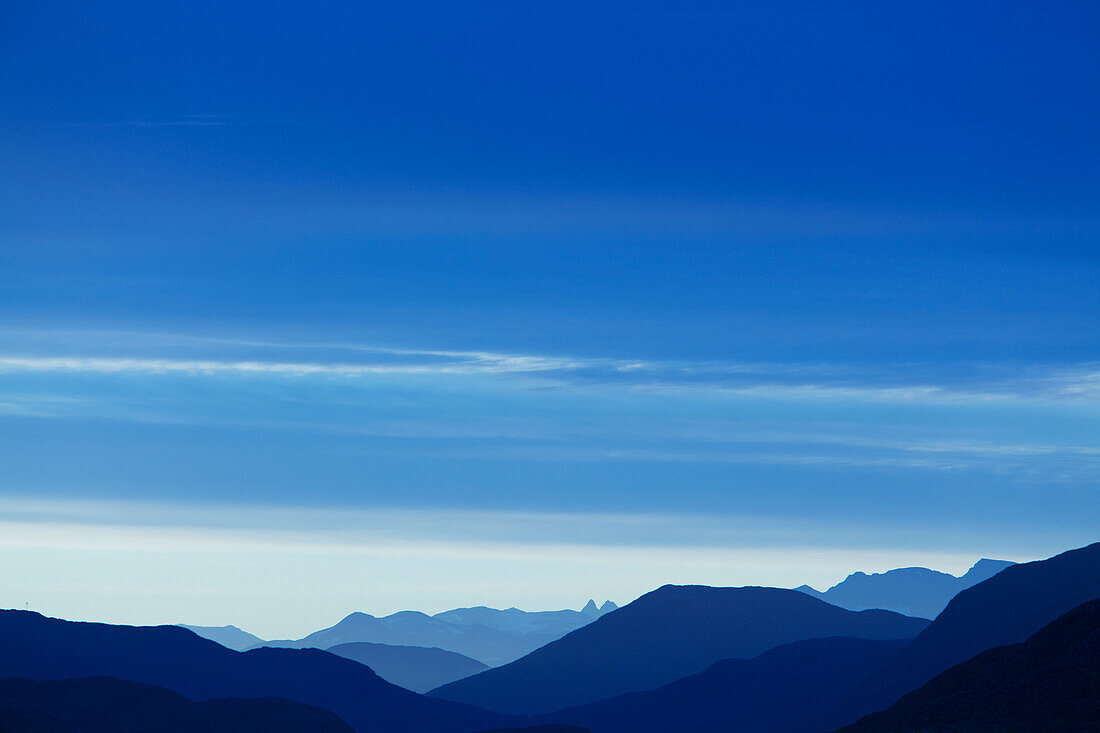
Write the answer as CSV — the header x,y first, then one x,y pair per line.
x,y
662,636
39,648
489,635
910,591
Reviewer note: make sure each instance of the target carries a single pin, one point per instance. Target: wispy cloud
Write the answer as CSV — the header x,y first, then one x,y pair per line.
x,y
244,368
328,526
133,353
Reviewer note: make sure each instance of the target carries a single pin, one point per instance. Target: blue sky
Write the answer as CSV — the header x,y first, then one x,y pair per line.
x,y
753,294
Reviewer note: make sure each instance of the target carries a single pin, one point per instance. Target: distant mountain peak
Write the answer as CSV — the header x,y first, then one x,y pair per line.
x,y
357,615
488,635
985,569
228,636
913,591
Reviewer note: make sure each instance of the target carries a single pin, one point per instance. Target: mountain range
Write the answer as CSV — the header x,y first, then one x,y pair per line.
x,y
1050,683
488,635
1019,651
808,686
911,591
1006,609
36,647
662,636
814,686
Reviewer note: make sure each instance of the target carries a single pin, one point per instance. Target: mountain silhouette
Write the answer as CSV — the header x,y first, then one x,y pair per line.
x,y
109,705
1049,683
513,620
415,668
228,636
666,634
911,591
489,635
37,647
748,696
1006,609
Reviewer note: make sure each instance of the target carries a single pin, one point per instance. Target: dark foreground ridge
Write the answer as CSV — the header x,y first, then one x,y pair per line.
x,y
36,647
748,696
1006,609
670,633
1049,683
109,705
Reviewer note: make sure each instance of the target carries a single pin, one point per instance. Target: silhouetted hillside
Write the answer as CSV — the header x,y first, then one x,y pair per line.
x,y
1049,683
37,647
228,636
667,634
747,696
109,705
415,668
488,635
1006,609
911,591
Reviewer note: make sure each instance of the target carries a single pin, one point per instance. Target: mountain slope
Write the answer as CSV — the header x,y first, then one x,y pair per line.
x,y
415,668
37,647
1050,683
488,635
911,591
748,696
667,634
228,636
1006,609
109,705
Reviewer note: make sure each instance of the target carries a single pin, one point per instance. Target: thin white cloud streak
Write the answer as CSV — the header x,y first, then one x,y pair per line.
x,y
791,449
281,524
947,446
770,381
251,368
323,526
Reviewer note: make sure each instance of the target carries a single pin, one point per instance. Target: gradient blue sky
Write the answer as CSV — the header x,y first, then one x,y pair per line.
x,y
380,305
